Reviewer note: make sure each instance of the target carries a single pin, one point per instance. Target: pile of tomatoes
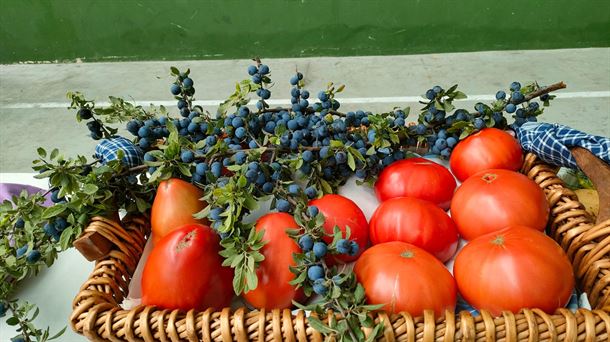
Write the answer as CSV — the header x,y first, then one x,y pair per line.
x,y
507,264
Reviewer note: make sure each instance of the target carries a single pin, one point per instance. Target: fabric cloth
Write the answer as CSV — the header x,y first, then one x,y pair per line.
x,y
552,143
108,149
8,190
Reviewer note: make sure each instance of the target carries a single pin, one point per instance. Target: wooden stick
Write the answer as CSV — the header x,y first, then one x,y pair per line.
x,y
599,173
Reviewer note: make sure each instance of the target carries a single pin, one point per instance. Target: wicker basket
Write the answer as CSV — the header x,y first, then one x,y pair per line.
x,y
98,316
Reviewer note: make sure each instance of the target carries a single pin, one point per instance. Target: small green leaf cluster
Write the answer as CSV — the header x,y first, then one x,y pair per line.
x,y
243,254
23,317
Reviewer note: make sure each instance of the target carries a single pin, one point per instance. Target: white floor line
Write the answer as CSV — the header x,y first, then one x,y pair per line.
x,y
345,100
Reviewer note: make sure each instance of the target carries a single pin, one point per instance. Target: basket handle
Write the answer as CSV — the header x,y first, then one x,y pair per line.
x,y
599,173
103,235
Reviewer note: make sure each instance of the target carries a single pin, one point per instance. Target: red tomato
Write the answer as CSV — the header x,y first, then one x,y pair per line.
x,y
490,148
405,278
415,221
494,199
517,267
175,203
342,212
273,290
184,271
416,177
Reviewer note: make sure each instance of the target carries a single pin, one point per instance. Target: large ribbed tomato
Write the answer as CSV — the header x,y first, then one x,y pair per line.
x,y
175,203
494,199
405,278
416,177
184,271
516,267
274,275
415,221
490,148
343,212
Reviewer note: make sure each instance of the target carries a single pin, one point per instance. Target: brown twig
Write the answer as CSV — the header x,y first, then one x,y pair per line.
x,y
545,90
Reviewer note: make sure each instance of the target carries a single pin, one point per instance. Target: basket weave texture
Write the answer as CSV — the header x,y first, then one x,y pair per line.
x,y
98,316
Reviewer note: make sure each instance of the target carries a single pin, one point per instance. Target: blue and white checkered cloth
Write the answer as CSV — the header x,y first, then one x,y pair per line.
x,y
107,150
552,143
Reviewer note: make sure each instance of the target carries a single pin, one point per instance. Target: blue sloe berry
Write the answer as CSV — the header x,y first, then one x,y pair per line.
x,y
33,256
315,272
216,169
311,192
320,288
319,249
263,69
282,205
306,243
187,156
187,82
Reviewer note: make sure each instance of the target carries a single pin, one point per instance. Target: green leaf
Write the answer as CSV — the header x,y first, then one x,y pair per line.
x,y
242,181
184,170
66,235
53,211
36,312
142,205
351,162
336,144
370,151
335,292
174,71
90,189
319,326
236,260
326,187
459,95
299,279
251,279
45,174
437,104
238,282
58,334
465,133
54,153
448,106
372,307
42,152
359,293
376,331
234,167
258,257
12,321
250,203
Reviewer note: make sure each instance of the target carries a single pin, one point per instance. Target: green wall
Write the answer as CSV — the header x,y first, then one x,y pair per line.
x,y
167,30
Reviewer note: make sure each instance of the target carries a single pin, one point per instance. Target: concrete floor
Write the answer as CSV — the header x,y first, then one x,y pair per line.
x,y
33,103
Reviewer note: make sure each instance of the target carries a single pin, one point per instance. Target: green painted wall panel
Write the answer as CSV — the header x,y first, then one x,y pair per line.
x,y
165,30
